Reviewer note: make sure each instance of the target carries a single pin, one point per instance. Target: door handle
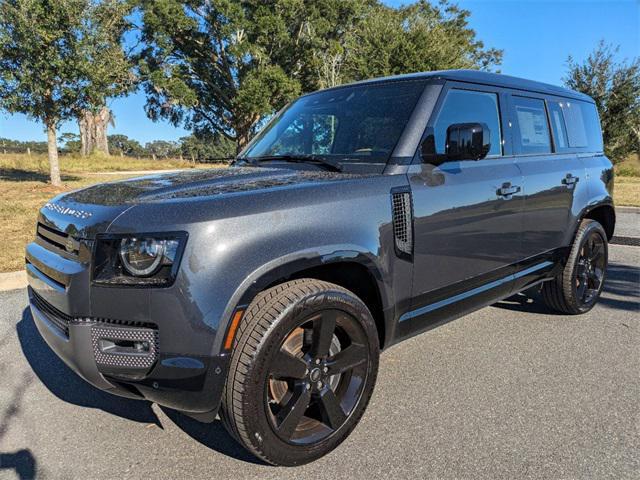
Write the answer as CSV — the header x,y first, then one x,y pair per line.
x,y
569,180
507,190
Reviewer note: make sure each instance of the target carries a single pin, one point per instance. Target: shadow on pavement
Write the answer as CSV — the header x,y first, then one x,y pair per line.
x,y
21,462
68,386
211,435
621,281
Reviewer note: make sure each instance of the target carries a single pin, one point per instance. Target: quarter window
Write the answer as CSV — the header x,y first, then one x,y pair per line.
x,y
583,126
533,128
466,106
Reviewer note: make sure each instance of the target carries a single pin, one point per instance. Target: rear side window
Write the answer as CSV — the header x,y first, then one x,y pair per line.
x,y
467,106
532,128
583,125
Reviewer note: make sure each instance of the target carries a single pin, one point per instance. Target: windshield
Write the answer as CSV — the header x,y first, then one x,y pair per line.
x,y
361,123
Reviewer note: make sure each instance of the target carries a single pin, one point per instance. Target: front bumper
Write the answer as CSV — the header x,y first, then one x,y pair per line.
x,y
123,341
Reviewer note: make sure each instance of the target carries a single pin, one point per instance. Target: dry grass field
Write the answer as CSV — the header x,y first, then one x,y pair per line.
x,y
24,189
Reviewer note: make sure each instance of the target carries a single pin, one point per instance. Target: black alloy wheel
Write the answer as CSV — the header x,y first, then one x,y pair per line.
x,y
317,377
577,287
589,273
303,368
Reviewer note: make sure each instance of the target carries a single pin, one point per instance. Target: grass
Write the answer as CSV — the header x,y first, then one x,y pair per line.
x,y
24,189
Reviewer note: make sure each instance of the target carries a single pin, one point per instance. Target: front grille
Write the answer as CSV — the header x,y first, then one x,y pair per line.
x,y
59,240
59,319
402,221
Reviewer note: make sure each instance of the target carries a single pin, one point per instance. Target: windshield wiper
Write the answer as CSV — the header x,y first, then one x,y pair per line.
x,y
294,158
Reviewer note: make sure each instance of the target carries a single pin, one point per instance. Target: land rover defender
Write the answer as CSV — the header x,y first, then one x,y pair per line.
x,y
359,216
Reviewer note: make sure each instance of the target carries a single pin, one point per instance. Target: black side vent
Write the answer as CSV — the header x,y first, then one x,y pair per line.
x,y
402,221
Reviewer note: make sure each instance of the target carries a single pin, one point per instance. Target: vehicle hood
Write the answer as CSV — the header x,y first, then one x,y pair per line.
x,y
91,210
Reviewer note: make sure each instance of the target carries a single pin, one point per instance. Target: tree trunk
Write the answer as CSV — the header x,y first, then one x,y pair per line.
x,y
93,131
102,120
85,124
52,145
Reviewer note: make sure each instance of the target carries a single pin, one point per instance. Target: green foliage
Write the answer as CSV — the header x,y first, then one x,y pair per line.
x,y
207,148
17,146
417,37
615,87
162,148
123,145
41,71
71,142
218,67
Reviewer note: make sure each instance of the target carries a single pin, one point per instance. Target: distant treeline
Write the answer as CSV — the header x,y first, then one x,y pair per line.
x,y
211,148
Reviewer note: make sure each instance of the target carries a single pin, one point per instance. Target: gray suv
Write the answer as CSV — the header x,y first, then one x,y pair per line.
x,y
359,216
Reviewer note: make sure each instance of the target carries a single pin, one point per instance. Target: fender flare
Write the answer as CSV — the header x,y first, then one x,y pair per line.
x,y
289,265
590,207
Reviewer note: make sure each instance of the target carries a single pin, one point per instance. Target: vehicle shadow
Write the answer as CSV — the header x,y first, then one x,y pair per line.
x,y
621,281
21,462
69,387
211,435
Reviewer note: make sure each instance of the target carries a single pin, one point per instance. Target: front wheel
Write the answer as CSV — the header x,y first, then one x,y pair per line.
x,y
577,288
302,371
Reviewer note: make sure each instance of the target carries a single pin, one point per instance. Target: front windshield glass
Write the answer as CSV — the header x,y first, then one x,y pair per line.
x,y
361,123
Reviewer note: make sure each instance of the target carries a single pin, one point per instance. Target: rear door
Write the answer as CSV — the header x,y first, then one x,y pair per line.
x,y
553,175
468,214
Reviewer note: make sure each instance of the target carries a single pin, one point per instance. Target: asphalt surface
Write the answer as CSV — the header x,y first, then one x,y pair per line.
x,y
511,391
628,222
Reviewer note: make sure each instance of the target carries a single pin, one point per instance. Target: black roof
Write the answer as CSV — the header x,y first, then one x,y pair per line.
x,y
485,78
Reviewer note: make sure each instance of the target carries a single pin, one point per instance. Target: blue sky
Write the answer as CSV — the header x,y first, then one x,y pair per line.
x,y
537,36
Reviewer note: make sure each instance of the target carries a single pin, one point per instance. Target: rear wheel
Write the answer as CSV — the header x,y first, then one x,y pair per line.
x,y
577,288
303,368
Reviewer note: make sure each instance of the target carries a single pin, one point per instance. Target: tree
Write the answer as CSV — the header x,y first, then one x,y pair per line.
x,y
109,73
162,149
71,142
207,148
41,72
218,67
417,37
615,87
123,145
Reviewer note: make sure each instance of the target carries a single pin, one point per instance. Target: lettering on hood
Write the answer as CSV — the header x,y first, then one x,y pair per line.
x,y
68,211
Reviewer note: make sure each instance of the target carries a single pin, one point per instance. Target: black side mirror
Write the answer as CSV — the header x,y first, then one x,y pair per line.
x,y
467,141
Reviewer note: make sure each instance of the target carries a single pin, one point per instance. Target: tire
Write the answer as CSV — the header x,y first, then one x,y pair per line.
x,y
303,368
586,265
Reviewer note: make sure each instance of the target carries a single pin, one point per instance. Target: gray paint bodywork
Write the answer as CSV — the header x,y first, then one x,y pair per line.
x,y
249,226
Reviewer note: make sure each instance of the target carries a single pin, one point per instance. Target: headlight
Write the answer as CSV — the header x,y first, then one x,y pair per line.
x,y
146,259
144,256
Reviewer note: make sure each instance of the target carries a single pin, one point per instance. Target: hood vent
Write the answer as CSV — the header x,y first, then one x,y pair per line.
x,y
402,221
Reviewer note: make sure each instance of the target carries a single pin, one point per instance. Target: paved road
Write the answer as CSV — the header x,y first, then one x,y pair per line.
x,y
628,222
511,391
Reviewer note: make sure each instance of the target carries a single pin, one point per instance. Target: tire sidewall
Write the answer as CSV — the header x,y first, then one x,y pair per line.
x,y
591,228
258,426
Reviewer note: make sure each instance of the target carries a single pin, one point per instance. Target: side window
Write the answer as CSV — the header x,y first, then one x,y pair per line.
x,y
466,106
576,130
583,125
558,126
532,128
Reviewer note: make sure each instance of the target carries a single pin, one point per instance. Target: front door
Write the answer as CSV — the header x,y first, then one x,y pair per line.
x,y
468,216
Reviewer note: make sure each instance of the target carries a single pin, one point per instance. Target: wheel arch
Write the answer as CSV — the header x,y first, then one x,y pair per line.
x,y
604,213
354,270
